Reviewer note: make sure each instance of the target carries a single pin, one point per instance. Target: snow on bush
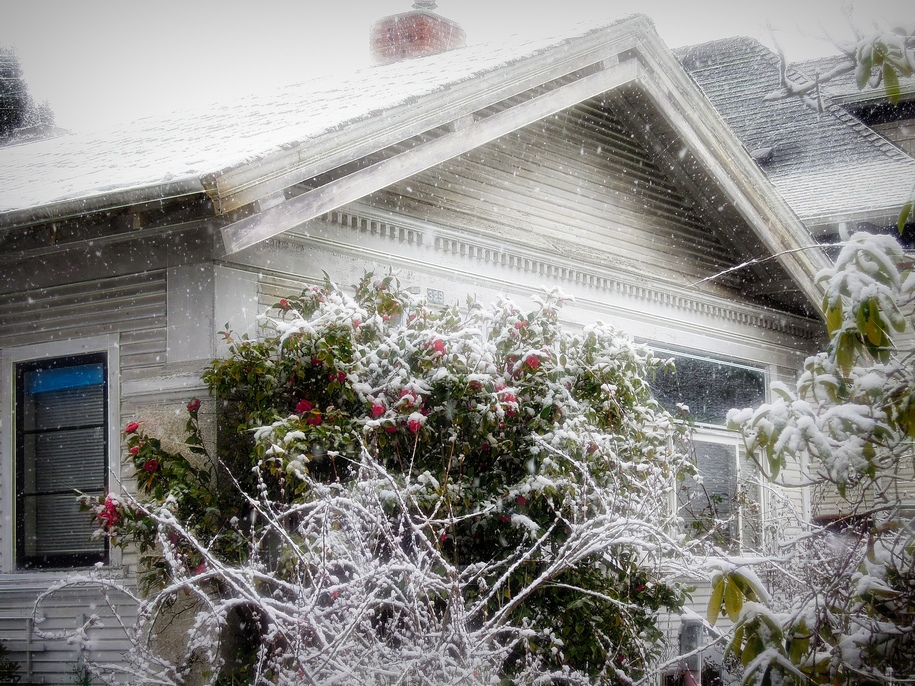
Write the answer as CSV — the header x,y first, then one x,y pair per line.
x,y
403,494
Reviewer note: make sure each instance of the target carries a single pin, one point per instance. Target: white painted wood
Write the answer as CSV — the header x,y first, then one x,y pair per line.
x,y
251,230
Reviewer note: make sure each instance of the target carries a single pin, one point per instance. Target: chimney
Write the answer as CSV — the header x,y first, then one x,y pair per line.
x,y
418,33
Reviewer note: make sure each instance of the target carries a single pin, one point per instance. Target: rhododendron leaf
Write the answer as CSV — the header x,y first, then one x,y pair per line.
x,y
733,600
714,603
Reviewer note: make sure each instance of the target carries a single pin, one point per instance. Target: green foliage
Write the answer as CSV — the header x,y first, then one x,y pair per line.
x,y
849,616
9,670
528,460
17,108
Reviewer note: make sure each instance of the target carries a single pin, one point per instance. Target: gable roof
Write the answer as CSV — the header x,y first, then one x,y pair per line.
x,y
829,166
844,87
266,165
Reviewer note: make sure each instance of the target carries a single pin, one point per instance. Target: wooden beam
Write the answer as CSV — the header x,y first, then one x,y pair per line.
x,y
263,225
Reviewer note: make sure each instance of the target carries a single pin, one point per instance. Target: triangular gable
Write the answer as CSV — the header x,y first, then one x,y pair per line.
x,y
323,166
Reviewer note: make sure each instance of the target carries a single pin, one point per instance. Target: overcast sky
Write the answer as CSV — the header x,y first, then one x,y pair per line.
x,y
100,61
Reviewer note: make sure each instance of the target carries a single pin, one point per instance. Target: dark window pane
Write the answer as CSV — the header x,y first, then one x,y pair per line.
x,y
709,387
61,447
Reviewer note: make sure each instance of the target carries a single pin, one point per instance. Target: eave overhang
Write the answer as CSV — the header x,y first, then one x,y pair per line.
x,y
298,185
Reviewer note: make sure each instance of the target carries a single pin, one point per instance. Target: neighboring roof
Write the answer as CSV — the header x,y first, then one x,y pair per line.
x,y
827,165
844,87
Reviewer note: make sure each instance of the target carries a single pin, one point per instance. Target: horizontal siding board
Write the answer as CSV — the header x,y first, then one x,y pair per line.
x,y
135,307
580,177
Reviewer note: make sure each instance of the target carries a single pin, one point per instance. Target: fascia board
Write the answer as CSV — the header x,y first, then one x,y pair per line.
x,y
289,214
188,189
746,186
236,187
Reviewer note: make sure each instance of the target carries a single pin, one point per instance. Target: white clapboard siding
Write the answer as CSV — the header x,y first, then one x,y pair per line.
x,y
271,289
49,661
134,307
579,177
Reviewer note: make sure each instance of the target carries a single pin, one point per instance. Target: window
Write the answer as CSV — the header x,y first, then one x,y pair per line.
x,y
726,502
709,387
60,446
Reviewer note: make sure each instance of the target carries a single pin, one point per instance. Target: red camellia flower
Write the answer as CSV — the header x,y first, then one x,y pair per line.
x,y
303,406
390,428
315,362
415,422
108,515
194,405
284,304
134,450
532,361
131,428
151,466
439,346
521,500
522,323
507,397
377,410
315,419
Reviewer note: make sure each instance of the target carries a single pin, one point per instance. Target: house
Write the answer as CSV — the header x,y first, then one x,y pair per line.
x,y
593,163
842,157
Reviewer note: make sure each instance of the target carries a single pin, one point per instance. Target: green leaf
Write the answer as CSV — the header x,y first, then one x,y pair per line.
x,y
714,603
733,601
865,63
907,210
891,83
834,318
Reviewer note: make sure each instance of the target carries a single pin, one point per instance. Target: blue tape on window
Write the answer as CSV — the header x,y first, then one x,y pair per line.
x,y
43,380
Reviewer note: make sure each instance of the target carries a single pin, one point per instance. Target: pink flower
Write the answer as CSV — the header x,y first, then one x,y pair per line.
x,y
504,518
356,323
194,405
108,515
284,304
201,568
341,376
521,500
377,410
411,399
134,450
510,401
522,323
131,428
303,406
439,346
390,428
415,422
315,362
151,466
532,361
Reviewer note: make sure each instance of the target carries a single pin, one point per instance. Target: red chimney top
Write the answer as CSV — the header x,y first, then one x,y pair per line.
x,y
418,33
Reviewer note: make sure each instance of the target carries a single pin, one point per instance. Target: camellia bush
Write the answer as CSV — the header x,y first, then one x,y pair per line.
x,y
403,494
847,611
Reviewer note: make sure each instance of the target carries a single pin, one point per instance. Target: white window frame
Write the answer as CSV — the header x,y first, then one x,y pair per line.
x,y
9,358
707,434
704,432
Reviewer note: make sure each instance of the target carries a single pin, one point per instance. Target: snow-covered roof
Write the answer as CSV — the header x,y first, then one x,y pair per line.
x,y
844,87
179,151
827,165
